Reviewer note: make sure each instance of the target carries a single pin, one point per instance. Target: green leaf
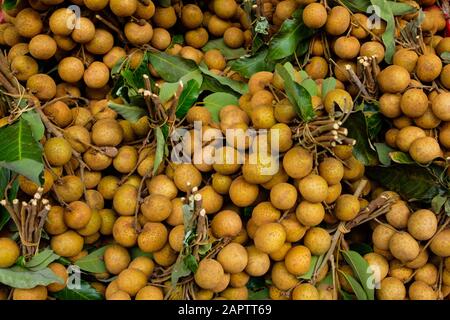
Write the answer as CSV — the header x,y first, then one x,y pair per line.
x,y
357,129
409,181
437,203
227,52
401,157
383,151
203,249
20,152
249,65
34,121
262,294
168,89
171,68
237,86
445,56
311,86
357,5
216,101
447,208
187,98
191,263
388,36
85,292
256,283
400,8
297,95
357,288
328,280
164,3
93,262
128,112
178,39
312,266
18,277
10,4
117,68
160,148
292,32
136,252
328,84
179,270
362,270
346,295
41,260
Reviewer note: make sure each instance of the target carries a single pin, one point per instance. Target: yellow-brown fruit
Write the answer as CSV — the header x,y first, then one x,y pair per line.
x,y
233,37
297,162
24,67
310,214
62,22
196,38
305,291
191,16
36,293
77,215
399,271
372,49
165,17
144,264
67,244
317,240
214,59
226,223
441,106
391,289
347,207
42,47
95,5
425,150
428,274
393,79
124,231
42,86
381,236
317,68
282,278
209,274
96,75
9,252
398,215
338,98
407,136
131,281
69,188
107,132
60,271
378,264
264,213
123,8
233,258
414,103
283,196
315,15
403,246
406,58
225,9
176,237
153,237
258,262
338,21
422,224
346,47
125,200
156,207
116,259
102,42
57,151
440,245
419,290
54,223
332,170
313,188
429,67
150,293
298,260
390,105
139,34
270,237
28,23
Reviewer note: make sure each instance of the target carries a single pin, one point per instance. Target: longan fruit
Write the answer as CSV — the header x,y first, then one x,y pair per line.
x,y
60,271
313,188
153,237
150,293
62,22
102,42
131,281
391,289
58,151
161,39
234,37
425,150
264,213
28,23
258,262
96,75
191,16
403,246
163,185
393,79
314,15
225,9
378,264
234,294
280,254
317,240
107,132
24,67
298,162
407,136
36,293
429,67
156,207
77,215
67,244
69,188
332,170
398,215
440,106
9,252
165,17
226,223
298,260
310,214
338,21
116,259
317,68
42,86
84,32
338,98
270,237
139,34
406,58
372,49
347,207
305,291
20,49
285,9
359,25
42,47
217,26
282,278
346,47
440,245
71,69
123,8
414,103
186,177
233,258
209,274
419,290
196,38
212,201
145,11
283,196
124,200
422,224
124,231
428,274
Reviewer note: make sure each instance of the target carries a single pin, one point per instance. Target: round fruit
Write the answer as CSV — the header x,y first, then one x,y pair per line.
x,y
298,260
233,258
391,289
208,274
422,224
9,252
317,240
393,79
313,188
440,245
403,246
226,223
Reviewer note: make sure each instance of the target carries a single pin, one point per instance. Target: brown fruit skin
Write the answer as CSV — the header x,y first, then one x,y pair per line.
x,y
393,79
414,103
404,247
338,21
391,289
36,293
96,5
42,85
67,244
407,136
233,37
398,215
317,240
226,223
214,59
161,39
123,8
54,223
197,38
441,106
225,9
61,272
58,151
107,133
116,259
445,76
425,150
297,162
317,68
346,47
150,293
314,15
233,258
298,260
71,69
282,278
264,213
381,236
305,291
102,42
208,274
406,58
347,207
28,23
124,201
131,281
428,67
9,252
440,245
69,188
186,177
42,47
62,22
153,237
77,215
419,290
270,237
96,75
85,32
313,188
332,170
258,262
24,67
283,196
124,231
156,207
191,16
138,34
165,17
372,49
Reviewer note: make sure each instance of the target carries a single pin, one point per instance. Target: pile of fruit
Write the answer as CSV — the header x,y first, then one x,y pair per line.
x,y
225,149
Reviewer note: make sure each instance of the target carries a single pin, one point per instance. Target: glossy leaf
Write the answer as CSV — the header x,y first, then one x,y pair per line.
x,y
191,263
357,5
85,292
227,52
362,270
438,202
216,101
388,37
357,288
171,68
383,151
401,157
41,260
136,252
249,65
168,89
312,266
310,85
20,152
128,112
409,181
93,262
357,129
237,86
34,121
187,98
18,277
160,149
328,84
262,294
10,4
361,248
